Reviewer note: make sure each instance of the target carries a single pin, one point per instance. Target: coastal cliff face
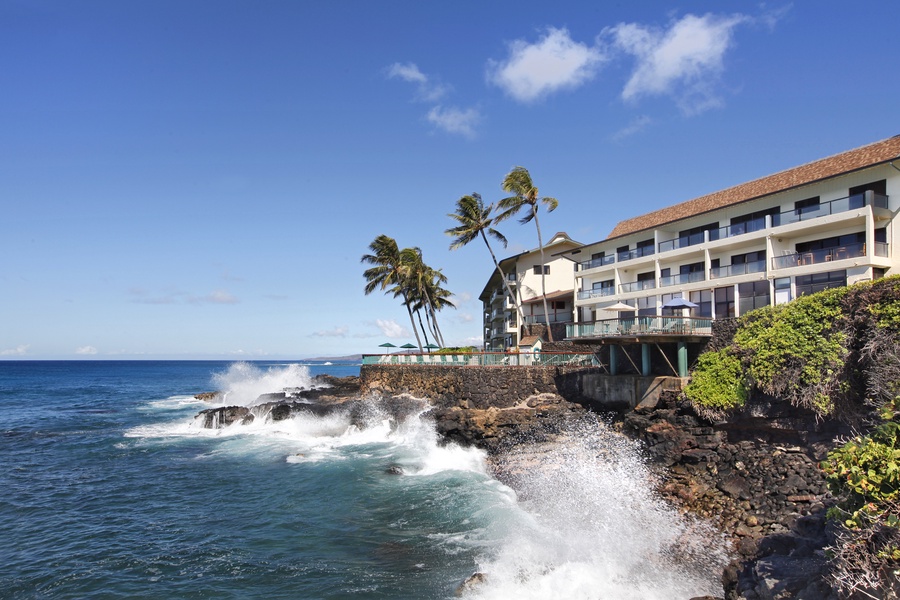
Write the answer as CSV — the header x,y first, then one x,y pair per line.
x,y
757,479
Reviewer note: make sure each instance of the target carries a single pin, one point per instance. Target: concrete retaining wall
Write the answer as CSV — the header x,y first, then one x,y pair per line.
x,y
506,386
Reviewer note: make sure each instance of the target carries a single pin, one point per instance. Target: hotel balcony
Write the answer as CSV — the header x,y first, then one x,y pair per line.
x,y
682,279
598,293
815,257
636,253
603,261
828,208
637,286
759,224
758,266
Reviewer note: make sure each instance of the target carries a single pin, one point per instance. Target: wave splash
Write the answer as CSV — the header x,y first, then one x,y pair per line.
x,y
243,382
575,517
597,530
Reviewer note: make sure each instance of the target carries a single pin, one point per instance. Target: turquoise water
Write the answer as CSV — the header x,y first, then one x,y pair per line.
x,y
111,490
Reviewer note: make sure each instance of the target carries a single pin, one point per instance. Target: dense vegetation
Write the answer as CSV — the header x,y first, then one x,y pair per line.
x,y
836,353
828,352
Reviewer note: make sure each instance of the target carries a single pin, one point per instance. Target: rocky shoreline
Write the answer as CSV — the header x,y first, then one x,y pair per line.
x,y
754,475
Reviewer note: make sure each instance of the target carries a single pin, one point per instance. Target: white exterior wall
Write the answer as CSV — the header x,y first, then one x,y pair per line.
x,y
776,241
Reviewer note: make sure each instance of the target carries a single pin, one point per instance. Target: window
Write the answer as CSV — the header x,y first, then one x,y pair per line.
x,y
878,273
667,272
697,267
537,269
558,304
858,193
749,257
753,295
810,284
703,300
724,297
694,235
807,205
782,290
646,306
851,239
607,284
753,221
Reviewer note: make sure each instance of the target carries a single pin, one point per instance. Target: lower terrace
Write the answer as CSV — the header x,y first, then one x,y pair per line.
x,y
485,359
649,326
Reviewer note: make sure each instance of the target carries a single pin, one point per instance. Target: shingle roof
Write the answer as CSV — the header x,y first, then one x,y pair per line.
x,y
839,164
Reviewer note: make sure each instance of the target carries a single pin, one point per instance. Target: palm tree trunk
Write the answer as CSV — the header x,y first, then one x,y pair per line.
x,y
412,321
543,269
431,318
422,325
435,328
512,295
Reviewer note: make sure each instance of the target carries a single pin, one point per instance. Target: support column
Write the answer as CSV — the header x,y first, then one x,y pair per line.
x,y
613,360
645,360
682,359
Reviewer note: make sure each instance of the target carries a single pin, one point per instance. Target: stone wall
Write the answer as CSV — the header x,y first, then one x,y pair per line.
x,y
475,387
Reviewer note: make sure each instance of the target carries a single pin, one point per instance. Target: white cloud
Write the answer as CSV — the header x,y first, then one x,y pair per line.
x,y
554,63
636,126
685,60
407,72
336,332
143,296
392,329
86,350
20,350
427,91
454,120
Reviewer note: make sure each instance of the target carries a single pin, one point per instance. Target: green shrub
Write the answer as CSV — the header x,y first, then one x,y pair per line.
x,y
717,382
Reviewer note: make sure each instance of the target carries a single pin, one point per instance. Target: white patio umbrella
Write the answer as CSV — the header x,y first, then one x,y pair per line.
x,y
618,307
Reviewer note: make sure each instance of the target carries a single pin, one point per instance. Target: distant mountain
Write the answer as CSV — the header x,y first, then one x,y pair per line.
x,y
350,358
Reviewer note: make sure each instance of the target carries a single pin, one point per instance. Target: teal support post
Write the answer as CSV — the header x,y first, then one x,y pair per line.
x,y
682,360
613,360
645,359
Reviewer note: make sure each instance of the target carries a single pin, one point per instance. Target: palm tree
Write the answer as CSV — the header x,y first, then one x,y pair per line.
x,y
525,195
475,221
389,273
425,291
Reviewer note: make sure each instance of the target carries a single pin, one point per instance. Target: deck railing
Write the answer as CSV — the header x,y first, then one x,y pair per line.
x,y
652,325
815,257
757,266
637,286
484,359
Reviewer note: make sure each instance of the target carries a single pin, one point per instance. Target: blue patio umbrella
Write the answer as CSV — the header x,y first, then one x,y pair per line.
x,y
679,303
408,346
387,345
432,347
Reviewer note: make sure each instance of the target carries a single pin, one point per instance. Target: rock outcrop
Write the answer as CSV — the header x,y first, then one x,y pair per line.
x,y
756,476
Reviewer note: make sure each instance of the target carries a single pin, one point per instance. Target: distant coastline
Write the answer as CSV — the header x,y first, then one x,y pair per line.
x,y
349,358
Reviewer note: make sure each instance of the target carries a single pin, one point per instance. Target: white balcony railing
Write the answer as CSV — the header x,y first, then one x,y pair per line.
x,y
758,266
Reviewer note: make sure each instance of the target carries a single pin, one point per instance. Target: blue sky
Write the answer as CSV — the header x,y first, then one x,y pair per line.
x,y
184,179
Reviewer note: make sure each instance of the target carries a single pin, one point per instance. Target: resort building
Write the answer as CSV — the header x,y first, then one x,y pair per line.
x,y
503,324
824,224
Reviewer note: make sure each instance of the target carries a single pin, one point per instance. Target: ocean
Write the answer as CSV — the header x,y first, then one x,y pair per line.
x,y
110,489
